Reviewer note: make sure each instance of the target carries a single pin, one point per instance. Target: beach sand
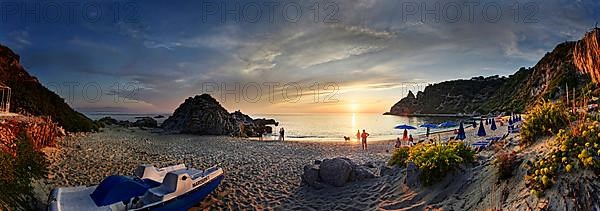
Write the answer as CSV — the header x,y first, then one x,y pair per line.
x,y
259,175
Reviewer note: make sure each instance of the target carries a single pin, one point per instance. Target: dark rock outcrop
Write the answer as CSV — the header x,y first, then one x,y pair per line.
x,y
30,97
202,115
334,172
146,122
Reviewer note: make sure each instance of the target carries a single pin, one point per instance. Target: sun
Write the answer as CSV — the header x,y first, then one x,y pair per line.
x,y
353,107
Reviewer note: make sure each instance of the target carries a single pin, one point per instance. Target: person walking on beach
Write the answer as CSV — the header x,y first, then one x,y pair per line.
x,y
358,135
410,140
282,134
364,136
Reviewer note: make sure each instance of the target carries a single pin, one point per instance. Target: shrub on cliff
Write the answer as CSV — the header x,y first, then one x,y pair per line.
x,y
505,163
544,119
17,173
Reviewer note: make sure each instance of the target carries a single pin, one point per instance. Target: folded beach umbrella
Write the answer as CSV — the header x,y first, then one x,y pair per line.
x,y
510,122
481,131
461,132
493,127
448,124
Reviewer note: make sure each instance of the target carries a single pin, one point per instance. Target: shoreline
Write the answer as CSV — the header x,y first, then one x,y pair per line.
x,y
430,115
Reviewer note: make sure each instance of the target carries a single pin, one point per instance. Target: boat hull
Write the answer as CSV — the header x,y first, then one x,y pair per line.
x,y
190,199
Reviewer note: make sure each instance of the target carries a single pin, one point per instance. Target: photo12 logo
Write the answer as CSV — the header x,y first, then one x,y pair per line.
x,y
270,11
276,92
68,12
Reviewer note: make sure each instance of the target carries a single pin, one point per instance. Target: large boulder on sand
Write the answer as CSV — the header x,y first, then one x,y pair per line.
x,y
335,172
201,115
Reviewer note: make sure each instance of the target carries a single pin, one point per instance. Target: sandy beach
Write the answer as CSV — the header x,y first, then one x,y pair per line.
x,y
259,175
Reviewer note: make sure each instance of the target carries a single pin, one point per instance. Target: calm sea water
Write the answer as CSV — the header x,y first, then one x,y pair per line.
x,y
334,126
324,126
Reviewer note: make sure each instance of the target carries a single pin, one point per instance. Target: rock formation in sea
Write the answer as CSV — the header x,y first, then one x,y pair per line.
x,y
32,98
203,115
572,64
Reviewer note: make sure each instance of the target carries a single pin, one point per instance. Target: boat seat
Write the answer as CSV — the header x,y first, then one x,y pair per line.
x,y
155,174
175,183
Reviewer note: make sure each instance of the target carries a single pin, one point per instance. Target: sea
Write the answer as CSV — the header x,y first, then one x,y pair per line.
x,y
324,126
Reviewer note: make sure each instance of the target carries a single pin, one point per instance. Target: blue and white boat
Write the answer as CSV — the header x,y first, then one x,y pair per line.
x,y
171,188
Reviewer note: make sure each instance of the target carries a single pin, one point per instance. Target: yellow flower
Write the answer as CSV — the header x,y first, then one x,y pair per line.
x,y
545,180
533,192
568,168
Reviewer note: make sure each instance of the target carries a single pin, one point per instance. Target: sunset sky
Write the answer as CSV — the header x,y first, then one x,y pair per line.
x,y
363,55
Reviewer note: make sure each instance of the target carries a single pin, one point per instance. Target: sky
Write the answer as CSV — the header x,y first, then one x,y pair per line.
x,y
277,56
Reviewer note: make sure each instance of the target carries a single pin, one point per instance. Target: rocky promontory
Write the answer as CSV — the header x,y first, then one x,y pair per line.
x,y
204,115
573,64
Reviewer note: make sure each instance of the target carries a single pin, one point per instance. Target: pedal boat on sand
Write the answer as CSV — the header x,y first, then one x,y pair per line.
x,y
171,188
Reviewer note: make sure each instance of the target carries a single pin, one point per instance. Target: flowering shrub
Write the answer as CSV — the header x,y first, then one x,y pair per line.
x,y
544,119
399,157
578,148
434,161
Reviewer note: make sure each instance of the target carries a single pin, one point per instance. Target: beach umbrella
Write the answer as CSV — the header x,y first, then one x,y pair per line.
x,y
461,132
428,126
405,127
510,122
493,127
474,123
481,131
448,124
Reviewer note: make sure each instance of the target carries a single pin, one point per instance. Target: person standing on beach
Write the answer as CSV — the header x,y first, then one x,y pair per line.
x,y
282,134
358,135
364,136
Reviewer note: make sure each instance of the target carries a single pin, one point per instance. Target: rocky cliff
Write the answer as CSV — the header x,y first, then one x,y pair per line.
x,y
30,97
450,97
203,115
572,64
586,54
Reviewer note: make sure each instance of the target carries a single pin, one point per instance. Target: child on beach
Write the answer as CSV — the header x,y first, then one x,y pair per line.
x,y
398,143
364,136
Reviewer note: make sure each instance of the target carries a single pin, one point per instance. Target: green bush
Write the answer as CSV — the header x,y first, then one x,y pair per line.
x,y
544,119
399,157
435,161
17,173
